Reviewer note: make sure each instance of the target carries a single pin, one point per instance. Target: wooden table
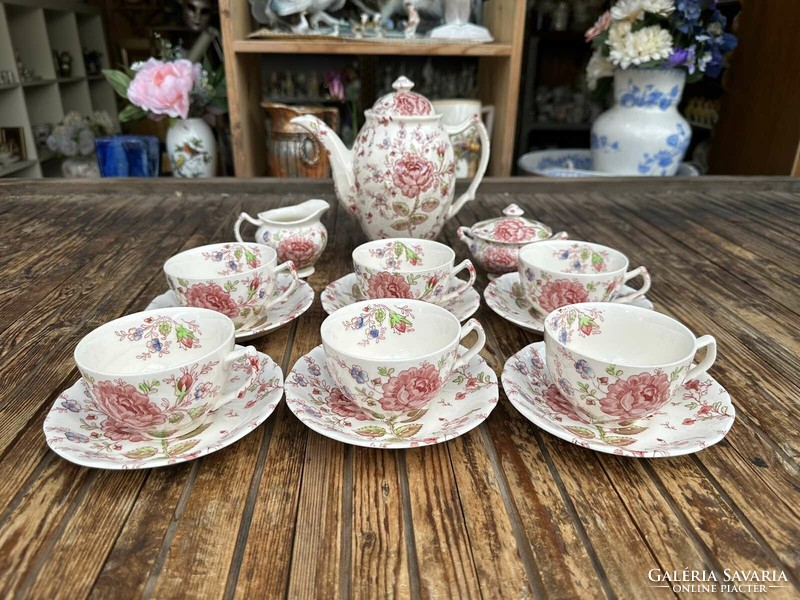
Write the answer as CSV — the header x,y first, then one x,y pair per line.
x,y
506,511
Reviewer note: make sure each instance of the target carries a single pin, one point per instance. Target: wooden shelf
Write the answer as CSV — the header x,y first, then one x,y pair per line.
x,y
368,47
14,167
9,86
71,79
560,126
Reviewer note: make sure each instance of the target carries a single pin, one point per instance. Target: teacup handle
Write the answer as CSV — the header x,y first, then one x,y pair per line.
x,y
238,225
711,355
251,354
466,264
484,162
638,293
295,281
466,329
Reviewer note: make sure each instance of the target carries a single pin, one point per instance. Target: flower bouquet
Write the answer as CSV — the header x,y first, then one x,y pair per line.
x,y
651,48
188,93
73,140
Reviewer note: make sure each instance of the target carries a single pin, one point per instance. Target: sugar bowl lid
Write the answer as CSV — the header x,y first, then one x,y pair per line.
x,y
403,102
512,228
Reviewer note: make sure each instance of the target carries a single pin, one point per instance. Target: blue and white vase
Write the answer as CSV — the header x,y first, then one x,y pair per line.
x,y
643,133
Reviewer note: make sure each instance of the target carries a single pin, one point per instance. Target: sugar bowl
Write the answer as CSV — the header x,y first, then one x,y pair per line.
x,y
495,243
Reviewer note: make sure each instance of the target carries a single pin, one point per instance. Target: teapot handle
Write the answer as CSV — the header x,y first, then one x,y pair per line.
x,y
484,137
242,217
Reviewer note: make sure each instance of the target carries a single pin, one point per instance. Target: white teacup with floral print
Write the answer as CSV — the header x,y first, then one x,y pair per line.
x,y
557,273
157,374
232,278
390,357
409,268
619,363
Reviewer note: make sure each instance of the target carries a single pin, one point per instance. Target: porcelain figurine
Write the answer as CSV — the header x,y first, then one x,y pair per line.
x,y
295,232
495,243
399,178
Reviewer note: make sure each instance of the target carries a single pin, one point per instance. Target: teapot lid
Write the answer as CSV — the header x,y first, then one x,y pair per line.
x,y
512,228
403,102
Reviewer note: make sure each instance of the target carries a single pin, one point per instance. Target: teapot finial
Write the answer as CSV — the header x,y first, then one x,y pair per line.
x,y
403,84
512,210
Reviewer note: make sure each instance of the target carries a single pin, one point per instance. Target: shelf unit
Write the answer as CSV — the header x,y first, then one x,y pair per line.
x,y
499,65
35,28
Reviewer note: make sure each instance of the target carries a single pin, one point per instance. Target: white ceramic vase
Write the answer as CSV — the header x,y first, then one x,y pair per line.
x,y
643,133
191,148
80,167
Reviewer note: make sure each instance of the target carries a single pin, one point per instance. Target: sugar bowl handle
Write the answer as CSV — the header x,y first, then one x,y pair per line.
x,y
484,162
238,225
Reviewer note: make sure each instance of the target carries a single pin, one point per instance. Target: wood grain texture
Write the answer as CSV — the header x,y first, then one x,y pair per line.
x,y
503,511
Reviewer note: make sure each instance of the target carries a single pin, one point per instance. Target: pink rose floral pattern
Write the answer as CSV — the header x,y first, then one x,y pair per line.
x,y
212,296
414,175
696,417
299,249
555,294
239,299
637,396
497,259
102,433
387,285
457,405
514,231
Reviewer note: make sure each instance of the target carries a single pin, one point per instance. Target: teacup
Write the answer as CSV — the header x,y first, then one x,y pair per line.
x,y
232,278
619,363
390,357
157,374
556,273
409,268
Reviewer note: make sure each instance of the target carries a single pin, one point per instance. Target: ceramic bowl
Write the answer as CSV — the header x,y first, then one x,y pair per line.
x,y
409,268
157,374
619,363
556,273
390,357
234,279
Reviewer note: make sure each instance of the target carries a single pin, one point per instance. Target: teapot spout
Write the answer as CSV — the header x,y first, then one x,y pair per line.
x,y
340,157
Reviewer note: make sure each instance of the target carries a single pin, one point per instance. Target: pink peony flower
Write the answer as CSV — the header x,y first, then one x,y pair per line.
x,y
410,389
210,295
300,250
386,285
412,104
344,407
500,260
556,294
413,175
163,88
513,230
128,411
559,404
603,22
639,396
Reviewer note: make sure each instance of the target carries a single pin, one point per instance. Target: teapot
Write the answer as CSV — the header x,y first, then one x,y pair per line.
x,y
399,178
296,233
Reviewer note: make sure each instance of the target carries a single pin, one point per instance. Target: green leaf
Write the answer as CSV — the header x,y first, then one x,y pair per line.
x,y
418,219
131,113
143,452
197,411
400,225
164,328
181,447
385,372
618,441
581,432
371,431
596,259
400,208
118,80
195,432
380,315
407,431
415,415
629,430
175,418
430,205
612,370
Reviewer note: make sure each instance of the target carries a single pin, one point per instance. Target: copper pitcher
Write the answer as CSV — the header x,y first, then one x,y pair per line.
x,y
291,150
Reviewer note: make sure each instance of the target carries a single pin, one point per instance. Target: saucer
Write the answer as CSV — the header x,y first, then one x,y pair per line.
x,y
76,435
504,296
576,162
698,417
295,305
462,404
345,291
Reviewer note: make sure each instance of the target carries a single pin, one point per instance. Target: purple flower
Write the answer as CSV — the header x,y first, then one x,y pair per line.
x,y
71,405
76,437
358,374
683,57
583,368
154,345
314,370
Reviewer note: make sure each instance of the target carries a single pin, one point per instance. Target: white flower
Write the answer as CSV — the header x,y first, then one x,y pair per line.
x,y
703,61
638,47
630,10
598,68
